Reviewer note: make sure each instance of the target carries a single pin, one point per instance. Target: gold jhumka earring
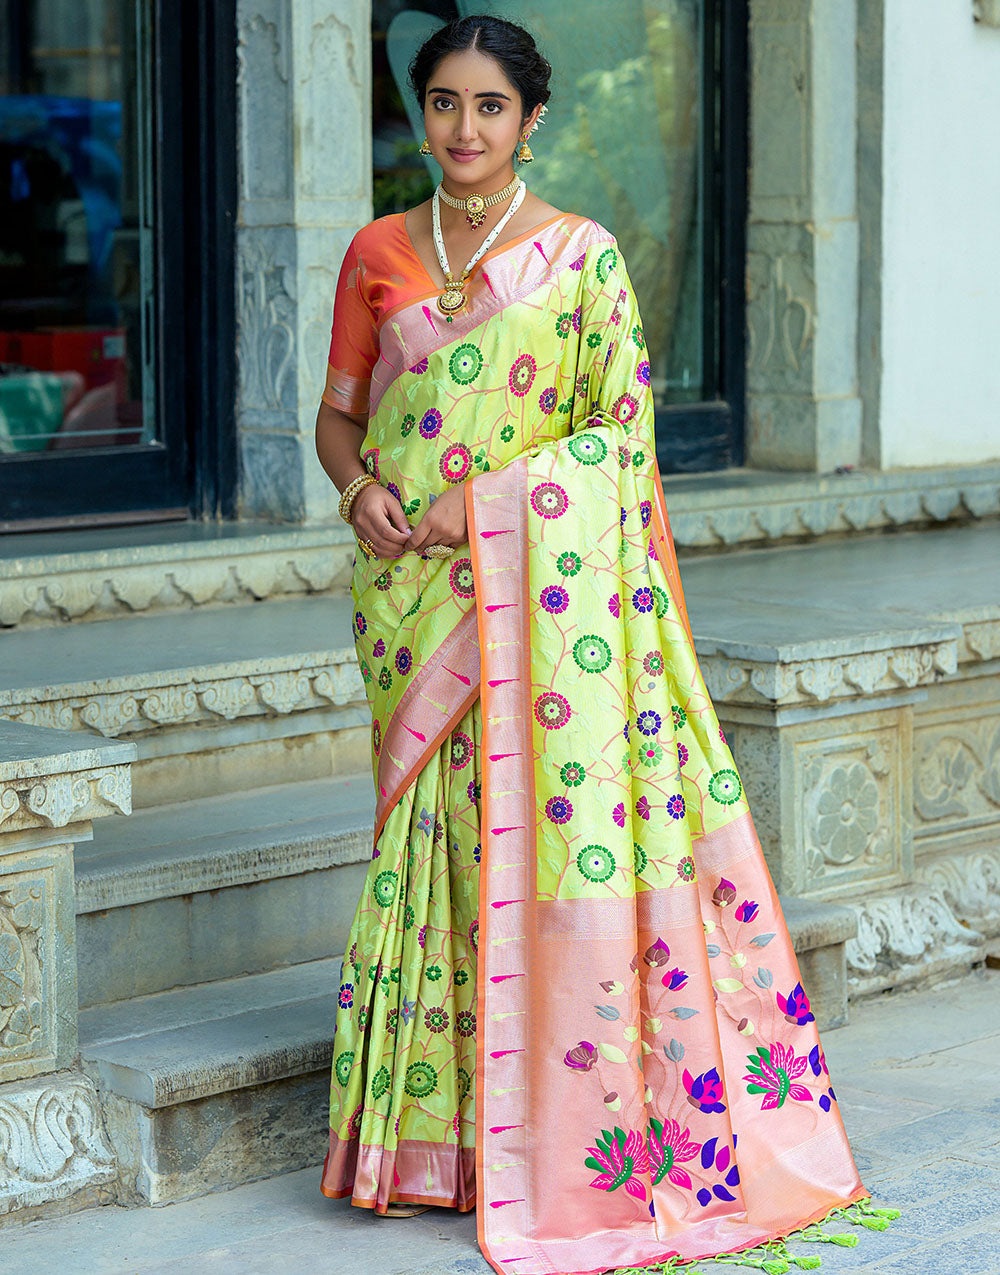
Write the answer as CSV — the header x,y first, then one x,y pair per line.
x,y
524,155
424,148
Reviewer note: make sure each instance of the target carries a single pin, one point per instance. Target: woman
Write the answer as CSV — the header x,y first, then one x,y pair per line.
x,y
569,995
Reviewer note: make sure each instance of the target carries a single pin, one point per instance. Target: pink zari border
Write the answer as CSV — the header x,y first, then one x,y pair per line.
x,y
495,507
410,1163
440,693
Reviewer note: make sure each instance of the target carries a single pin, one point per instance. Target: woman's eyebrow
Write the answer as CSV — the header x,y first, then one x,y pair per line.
x,y
452,93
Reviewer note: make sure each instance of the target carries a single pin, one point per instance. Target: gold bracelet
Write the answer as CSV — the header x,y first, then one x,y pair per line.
x,y
350,491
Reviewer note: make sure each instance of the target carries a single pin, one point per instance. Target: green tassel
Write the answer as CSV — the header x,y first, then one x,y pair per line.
x,y
845,1241
775,1266
809,1263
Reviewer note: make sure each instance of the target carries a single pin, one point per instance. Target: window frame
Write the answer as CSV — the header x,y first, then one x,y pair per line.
x,y
191,471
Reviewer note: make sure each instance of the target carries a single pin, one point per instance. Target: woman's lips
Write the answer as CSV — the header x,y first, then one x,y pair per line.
x,y
464,157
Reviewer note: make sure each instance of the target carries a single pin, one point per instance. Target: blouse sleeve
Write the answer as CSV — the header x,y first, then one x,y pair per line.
x,y
354,340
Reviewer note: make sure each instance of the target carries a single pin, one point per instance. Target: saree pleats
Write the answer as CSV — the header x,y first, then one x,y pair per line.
x,y
570,998
402,1101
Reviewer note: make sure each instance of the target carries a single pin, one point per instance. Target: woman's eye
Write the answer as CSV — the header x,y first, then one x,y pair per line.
x,y
493,108
441,102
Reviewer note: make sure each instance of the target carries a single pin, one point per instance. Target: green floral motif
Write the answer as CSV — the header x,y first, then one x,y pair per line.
x,y
569,563
394,974
662,601
638,337
366,672
421,1079
626,762
433,972
594,340
411,506
679,716
384,889
572,774
596,863
507,433
461,977
380,1083
465,364
725,787
650,752
363,1017
638,459
384,678
606,262
564,324
409,916
464,1083
409,420
343,1065
641,858
565,407
592,653
416,606
588,448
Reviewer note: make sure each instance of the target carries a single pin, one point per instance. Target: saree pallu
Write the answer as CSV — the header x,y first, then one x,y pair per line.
x,y
571,999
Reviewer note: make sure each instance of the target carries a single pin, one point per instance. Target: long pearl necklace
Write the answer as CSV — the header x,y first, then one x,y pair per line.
x,y
452,300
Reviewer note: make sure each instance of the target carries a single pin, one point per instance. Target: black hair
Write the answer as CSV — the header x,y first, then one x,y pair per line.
x,y
511,46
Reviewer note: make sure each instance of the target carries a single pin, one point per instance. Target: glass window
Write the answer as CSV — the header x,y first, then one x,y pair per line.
x,y
75,234
632,139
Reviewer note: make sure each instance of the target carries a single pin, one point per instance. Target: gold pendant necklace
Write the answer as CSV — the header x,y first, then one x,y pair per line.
x,y
475,206
452,300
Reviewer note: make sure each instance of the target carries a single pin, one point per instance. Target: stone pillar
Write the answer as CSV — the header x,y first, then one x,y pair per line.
x,y
803,402
304,94
52,785
822,732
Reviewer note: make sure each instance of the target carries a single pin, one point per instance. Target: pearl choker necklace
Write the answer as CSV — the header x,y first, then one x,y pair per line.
x,y
452,300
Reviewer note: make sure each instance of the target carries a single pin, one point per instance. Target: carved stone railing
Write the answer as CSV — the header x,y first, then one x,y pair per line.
x,y
874,776
52,785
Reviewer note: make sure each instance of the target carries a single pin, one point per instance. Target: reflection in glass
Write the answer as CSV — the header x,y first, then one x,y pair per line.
x,y
622,143
74,240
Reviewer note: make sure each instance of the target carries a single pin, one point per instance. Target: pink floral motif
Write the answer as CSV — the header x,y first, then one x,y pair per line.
x,y
668,1147
581,1057
455,463
747,910
642,807
725,893
657,954
554,599
674,979
522,375
618,1158
614,605
618,814
772,1073
549,500
625,407
704,1091
552,710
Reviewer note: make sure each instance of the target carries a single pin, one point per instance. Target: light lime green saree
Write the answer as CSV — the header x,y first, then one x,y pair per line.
x,y
570,998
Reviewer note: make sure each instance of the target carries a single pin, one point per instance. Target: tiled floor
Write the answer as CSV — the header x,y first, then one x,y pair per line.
x,y
918,1080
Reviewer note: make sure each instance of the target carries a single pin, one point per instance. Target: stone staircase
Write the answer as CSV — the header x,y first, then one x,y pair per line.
x,y
209,924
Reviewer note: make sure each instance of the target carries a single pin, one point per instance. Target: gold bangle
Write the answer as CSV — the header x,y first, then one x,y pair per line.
x,y
350,491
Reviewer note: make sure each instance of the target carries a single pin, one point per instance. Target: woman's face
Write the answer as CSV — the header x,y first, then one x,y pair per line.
x,y
472,114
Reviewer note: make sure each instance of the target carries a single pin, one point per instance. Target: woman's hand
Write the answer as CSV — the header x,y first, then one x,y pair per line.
x,y
377,515
444,522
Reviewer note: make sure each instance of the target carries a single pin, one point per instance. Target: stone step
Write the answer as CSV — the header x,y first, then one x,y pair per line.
x,y
206,1087
220,886
226,1082
109,572
221,700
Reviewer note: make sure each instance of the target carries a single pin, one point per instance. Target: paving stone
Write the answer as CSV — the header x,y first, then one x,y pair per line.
x,y
938,1164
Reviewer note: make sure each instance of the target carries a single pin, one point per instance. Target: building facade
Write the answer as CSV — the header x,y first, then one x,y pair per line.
x,y
804,191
